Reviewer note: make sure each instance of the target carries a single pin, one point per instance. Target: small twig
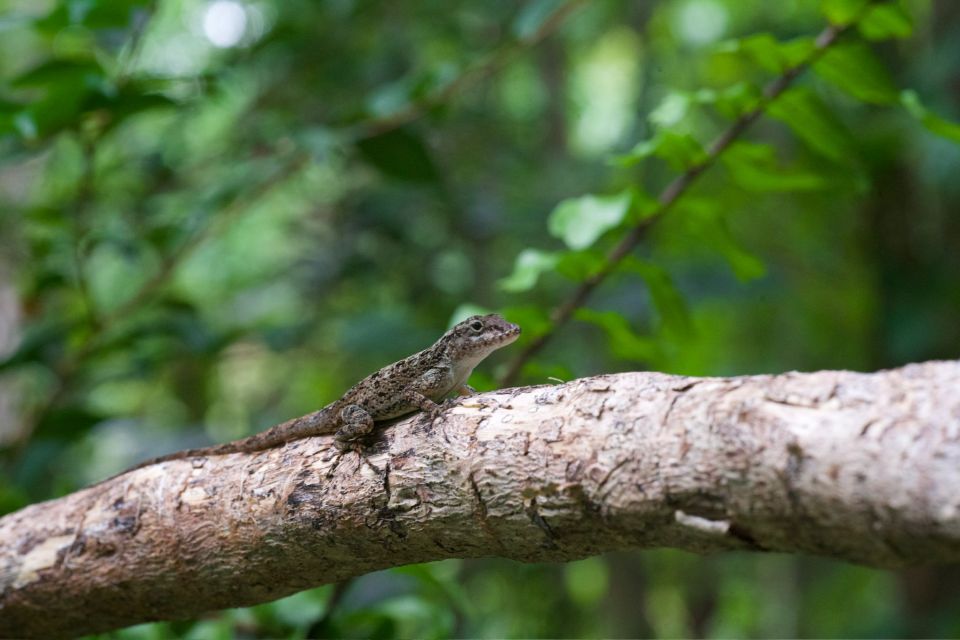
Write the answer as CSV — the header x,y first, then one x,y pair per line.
x,y
486,67
135,45
319,628
668,197
174,260
84,196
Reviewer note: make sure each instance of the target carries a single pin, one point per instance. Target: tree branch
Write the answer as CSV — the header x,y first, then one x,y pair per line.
x,y
670,194
861,467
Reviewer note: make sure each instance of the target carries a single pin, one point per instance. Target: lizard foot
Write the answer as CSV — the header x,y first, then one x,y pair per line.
x,y
344,450
430,414
337,458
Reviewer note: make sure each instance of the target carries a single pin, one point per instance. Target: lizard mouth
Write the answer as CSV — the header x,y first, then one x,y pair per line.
x,y
511,334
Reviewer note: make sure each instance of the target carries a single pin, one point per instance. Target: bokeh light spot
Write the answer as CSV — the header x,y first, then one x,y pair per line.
x,y
701,22
224,23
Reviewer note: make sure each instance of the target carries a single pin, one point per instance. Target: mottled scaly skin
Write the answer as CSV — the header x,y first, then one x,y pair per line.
x,y
417,382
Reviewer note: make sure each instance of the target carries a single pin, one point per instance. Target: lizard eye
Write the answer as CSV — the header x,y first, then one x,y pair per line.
x,y
476,326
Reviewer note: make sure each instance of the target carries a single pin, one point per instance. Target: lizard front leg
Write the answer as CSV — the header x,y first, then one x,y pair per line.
x,y
433,385
416,399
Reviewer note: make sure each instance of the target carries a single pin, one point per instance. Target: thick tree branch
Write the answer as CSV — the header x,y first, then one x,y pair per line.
x,y
862,467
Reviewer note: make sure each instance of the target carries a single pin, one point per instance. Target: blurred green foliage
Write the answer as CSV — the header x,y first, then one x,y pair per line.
x,y
218,214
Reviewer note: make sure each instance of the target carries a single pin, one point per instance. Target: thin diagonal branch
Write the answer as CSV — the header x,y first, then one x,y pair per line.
x,y
242,202
668,197
134,46
484,68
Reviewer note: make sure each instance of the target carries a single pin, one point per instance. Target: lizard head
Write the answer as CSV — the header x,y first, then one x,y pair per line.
x,y
478,336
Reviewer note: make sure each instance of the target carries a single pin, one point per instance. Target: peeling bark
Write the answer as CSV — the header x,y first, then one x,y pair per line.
x,y
861,467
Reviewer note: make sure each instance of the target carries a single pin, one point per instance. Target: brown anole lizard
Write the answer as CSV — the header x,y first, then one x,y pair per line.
x,y
417,382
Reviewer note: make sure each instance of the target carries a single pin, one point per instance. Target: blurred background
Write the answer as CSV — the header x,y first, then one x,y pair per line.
x,y
218,214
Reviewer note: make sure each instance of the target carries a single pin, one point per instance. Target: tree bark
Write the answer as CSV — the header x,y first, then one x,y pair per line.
x,y
861,467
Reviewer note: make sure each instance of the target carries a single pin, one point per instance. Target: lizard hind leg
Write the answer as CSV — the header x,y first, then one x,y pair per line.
x,y
355,423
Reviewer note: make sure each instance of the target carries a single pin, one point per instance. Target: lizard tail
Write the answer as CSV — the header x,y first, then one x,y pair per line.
x,y
315,423
215,450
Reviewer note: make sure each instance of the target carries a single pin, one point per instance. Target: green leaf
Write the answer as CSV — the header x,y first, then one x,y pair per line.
x,y
7,122
804,112
297,610
7,107
55,72
745,265
933,123
108,14
438,581
853,68
530,264
400,154
798,50
671,110
580,221
642,205
96,14
67,88
706,221
755,166
532,318
736,100
680,150
42,341
670,305
580,265
843,12
464,311
886,21
761,48
60,110
12,498
67,423
25,125
623,342
131,99
764,50
587,581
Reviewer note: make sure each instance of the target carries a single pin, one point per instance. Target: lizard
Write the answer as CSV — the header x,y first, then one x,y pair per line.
x,y
417,382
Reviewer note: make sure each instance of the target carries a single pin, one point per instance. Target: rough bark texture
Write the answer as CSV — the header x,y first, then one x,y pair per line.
x,y
862,467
